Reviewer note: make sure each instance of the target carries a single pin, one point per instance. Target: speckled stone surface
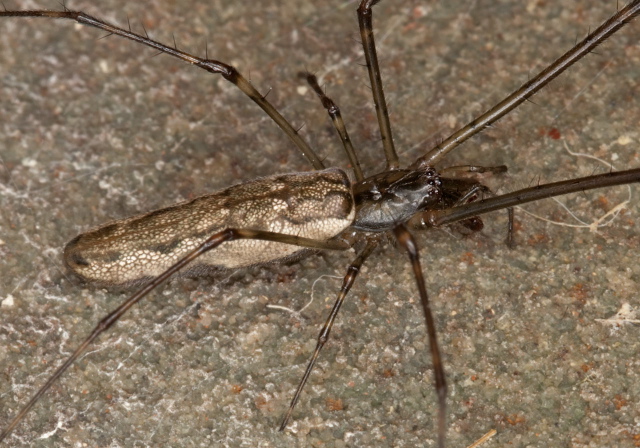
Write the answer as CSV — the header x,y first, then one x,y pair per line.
x,y
93,130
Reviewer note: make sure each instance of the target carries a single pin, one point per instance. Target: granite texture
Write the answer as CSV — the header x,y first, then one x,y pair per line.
x,y
93,130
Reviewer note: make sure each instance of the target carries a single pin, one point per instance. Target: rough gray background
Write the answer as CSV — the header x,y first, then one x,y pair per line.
x,y
99,129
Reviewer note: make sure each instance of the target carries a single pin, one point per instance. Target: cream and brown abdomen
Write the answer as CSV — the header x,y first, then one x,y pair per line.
x,y
317,205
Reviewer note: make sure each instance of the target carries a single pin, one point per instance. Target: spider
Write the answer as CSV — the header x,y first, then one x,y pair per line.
x,y
382,381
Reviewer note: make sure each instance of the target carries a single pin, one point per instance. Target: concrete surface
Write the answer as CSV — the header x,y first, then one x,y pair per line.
x,y
94,130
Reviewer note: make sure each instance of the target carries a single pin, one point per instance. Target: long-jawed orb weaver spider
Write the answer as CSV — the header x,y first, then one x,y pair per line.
x,y
565,297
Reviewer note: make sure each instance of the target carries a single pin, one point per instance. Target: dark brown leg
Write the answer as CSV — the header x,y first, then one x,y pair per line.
x,y
352,272
228,72
336,118
365,20
434,218
211,243
530,88
406,240
472,169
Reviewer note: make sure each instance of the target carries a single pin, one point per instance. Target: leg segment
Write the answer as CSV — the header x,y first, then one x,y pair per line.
x,y
406,240
336,118
472,169
365,20
211,243
352,272
530,88
228,72
434,218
